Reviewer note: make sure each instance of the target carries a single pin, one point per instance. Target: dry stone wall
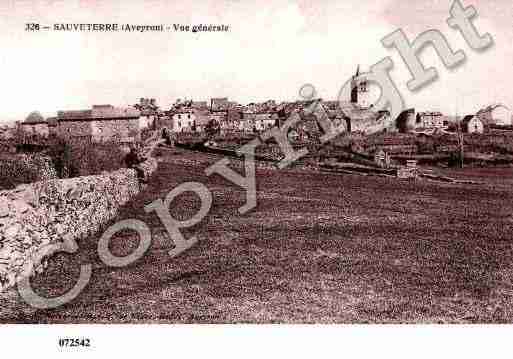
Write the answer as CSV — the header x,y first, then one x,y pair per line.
x,y
36,218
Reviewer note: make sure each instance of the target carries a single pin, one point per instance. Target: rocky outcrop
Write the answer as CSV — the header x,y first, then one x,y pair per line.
x,y
35,219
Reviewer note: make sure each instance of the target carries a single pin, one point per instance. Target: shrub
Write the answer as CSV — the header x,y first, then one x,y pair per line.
x,y
83,158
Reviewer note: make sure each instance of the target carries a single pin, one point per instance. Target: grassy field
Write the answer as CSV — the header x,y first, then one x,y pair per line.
x,y
319,248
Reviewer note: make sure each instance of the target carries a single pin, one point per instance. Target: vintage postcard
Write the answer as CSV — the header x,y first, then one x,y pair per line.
x,y
249,162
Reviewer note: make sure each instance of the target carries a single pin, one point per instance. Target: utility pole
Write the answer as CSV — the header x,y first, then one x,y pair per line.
x,y
460,139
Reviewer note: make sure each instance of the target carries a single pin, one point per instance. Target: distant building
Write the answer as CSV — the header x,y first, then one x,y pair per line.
x,y
472,124
230,121
184,121
266,120
332,105
430,120
363,120
219,104
102,122
219,116
259,121
382,158
7,132
497,114
201,105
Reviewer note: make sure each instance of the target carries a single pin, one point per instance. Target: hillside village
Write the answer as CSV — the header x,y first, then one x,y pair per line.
x,y
106,122
424,137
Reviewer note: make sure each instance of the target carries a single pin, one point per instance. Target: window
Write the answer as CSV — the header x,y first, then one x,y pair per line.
x,y
179,116
189,115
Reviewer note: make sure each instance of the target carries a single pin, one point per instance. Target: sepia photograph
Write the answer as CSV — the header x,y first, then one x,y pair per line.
x,y
335,166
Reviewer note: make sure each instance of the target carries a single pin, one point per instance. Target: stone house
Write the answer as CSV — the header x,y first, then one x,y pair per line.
x,y
101,123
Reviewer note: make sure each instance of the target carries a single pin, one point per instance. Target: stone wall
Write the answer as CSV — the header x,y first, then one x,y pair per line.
x,y
69,128
121,128
36,218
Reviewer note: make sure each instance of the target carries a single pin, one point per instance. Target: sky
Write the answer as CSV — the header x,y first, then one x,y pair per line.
x,y
271,50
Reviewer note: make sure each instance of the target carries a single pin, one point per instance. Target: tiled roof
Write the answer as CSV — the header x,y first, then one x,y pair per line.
x,y
98,113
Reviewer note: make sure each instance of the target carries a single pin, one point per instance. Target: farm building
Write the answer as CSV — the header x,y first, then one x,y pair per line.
x,y
472,124
495,115
101,123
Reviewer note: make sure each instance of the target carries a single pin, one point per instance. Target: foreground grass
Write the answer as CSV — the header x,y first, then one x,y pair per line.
x,y
318,248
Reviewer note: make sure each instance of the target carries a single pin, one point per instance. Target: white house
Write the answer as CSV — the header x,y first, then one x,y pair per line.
x,y
183,121
430,120
472,124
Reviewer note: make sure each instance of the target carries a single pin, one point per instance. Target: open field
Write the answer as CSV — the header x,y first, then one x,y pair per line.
x,y
323,248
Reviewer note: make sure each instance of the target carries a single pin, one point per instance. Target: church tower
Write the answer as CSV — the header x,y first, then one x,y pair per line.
x,y
359,90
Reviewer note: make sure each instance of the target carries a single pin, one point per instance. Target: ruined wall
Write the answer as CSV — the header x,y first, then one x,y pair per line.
x,y
35,218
